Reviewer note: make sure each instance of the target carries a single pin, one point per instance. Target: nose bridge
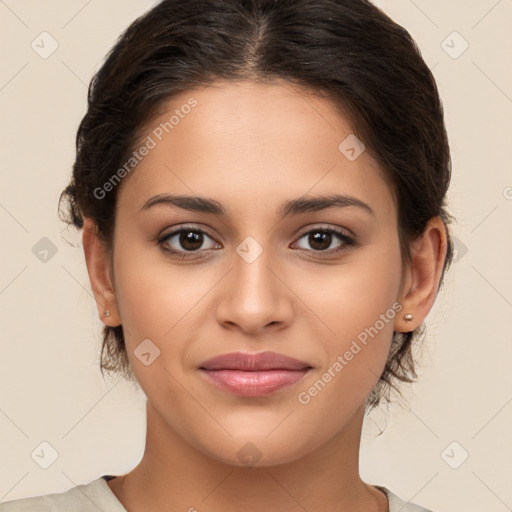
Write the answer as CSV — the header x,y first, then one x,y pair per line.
x,y
253,281
254,297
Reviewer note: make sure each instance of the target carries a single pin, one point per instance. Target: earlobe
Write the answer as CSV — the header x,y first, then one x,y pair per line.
x,y
424,272
98,268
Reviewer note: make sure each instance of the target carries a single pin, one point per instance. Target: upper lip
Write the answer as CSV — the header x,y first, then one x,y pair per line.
x,y
254,362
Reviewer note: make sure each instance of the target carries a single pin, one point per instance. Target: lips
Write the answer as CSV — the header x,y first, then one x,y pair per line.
x,y
253,375
254,362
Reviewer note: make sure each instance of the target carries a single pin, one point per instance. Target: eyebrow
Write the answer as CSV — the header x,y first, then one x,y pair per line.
x,y
290,207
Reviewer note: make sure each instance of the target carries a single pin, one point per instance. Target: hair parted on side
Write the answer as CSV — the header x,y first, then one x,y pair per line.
x,y
348,51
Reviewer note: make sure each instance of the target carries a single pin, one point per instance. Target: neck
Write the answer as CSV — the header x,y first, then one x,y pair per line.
x,y
173,475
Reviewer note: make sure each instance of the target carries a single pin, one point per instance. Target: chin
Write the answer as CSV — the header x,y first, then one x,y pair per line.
x,y
260,451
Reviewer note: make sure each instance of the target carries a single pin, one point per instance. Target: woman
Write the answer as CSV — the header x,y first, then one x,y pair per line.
x,y
261,187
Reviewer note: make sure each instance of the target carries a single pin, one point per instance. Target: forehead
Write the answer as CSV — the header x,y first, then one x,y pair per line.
x,y
271,140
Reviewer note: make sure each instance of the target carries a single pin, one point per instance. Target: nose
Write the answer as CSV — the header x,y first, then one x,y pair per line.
x,y
254,296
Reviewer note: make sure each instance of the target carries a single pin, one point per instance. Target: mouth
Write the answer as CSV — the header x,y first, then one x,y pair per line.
x,y
253,375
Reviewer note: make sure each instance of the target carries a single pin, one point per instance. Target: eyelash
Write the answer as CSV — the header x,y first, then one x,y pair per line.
x,y
347,241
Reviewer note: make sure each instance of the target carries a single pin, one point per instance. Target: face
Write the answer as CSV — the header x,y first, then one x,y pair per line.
x,y
316,281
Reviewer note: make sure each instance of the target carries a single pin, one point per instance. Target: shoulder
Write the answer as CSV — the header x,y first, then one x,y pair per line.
x,y
396,504
90,497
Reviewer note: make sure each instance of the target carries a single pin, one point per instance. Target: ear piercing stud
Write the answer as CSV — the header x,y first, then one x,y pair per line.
x,y
107,312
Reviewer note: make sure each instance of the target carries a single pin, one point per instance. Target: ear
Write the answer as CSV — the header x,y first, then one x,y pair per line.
x,y
422,275
97,259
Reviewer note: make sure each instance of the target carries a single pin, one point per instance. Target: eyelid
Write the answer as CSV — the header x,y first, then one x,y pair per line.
x,y
182,227
326,227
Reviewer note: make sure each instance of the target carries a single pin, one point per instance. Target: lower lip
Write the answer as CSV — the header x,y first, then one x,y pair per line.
x,y
253,383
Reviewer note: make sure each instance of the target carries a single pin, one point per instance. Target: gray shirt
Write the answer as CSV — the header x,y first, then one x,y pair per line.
x,y
97,496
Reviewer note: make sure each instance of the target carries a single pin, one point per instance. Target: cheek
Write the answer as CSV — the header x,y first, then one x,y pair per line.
x,y
157,298
142,291
351,297
357,305
357,316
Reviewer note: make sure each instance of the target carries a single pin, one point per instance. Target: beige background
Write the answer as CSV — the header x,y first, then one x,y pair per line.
x,y
50,386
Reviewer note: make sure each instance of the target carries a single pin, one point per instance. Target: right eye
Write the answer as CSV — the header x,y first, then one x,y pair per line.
x,y
186,240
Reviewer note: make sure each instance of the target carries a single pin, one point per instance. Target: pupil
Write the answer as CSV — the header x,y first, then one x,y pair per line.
x,y
322,238
191,240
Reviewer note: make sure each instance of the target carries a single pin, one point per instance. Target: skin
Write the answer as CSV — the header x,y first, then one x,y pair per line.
x,y
250,147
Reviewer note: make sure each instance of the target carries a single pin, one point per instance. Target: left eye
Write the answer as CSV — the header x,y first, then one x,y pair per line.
x,y
321,239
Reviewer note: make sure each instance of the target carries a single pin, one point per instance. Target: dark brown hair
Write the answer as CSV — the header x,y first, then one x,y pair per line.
x,y
348,51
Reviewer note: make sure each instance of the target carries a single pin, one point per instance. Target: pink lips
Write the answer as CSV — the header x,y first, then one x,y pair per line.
x,y
253,375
